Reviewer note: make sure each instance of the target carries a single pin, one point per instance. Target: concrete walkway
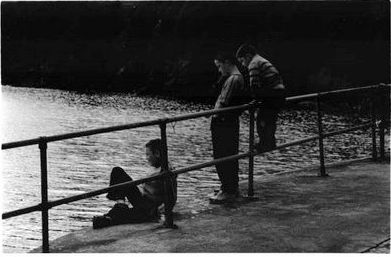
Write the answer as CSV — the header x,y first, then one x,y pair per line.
x,y
349,211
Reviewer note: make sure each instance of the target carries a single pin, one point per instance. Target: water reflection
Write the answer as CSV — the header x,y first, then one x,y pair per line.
x,y
84,164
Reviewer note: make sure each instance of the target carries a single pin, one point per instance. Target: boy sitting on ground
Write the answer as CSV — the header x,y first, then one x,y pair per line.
x,y
147,199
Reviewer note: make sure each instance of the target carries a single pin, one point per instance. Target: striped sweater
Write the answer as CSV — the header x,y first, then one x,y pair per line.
x,y
264,77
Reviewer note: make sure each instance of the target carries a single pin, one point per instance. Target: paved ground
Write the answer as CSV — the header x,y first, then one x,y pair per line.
x,y
349,211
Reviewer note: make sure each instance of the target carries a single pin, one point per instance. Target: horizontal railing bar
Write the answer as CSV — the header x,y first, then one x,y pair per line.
x,y
301,97
178,171
18,212
121,127
208,113
340,91
298,142
165,120
211,163
333,133
16,144
349,90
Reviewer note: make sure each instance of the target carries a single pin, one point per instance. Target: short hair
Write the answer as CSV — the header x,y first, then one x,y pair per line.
x,y
223,57
245,49
155,145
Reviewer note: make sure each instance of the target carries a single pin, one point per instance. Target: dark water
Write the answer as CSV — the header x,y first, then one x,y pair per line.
x,y
83,164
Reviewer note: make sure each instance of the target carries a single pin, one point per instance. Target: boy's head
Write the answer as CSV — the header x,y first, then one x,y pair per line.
x,y
224,63
245,53
153,152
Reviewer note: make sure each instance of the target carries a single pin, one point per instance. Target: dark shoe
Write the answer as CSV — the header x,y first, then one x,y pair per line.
x,y
101,221
119,214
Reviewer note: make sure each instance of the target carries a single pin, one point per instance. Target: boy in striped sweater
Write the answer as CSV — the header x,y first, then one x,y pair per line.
x,y
267,86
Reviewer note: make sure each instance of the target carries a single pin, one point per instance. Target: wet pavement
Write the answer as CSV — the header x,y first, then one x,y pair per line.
x,y
348,211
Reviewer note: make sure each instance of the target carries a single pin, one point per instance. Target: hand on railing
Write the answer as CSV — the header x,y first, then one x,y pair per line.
x,y
253,103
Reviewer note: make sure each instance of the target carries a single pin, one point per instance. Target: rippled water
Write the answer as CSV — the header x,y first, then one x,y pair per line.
x,y
83,164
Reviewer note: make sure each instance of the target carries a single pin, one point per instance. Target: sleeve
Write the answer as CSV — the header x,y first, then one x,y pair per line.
x,y
254,77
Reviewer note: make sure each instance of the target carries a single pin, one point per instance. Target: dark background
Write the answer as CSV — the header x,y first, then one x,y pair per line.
x,y
167,48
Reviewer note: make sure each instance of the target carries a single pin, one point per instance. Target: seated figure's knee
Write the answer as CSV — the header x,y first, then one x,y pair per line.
x,y
118,175
117,171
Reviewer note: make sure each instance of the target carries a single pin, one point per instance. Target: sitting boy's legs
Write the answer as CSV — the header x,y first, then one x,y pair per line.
x,y
118,176
121,213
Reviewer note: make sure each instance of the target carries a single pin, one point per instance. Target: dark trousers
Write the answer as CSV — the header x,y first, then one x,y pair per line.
x,y
225,139
266,128
141,210
266,122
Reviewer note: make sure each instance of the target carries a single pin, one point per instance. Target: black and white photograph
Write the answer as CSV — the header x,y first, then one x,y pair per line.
x,y
201,127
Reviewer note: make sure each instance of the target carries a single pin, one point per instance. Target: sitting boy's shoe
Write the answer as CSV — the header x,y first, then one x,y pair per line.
x,y
101,221
222,197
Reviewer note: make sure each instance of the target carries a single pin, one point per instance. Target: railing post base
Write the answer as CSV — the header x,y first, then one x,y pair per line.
x,y
323,175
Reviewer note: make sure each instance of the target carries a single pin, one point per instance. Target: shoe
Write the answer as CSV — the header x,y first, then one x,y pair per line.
x,y
217,191
222,197
101,221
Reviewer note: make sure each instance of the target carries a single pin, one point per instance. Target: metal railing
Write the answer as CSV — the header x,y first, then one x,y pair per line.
x,y
42,142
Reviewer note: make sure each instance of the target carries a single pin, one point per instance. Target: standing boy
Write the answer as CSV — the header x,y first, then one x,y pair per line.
x,y
225,129
267,86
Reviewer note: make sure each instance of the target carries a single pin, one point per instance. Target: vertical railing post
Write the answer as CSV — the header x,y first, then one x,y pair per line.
x,y
169,219
383,114
250,190
44,195
163,136
322,172
373,123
